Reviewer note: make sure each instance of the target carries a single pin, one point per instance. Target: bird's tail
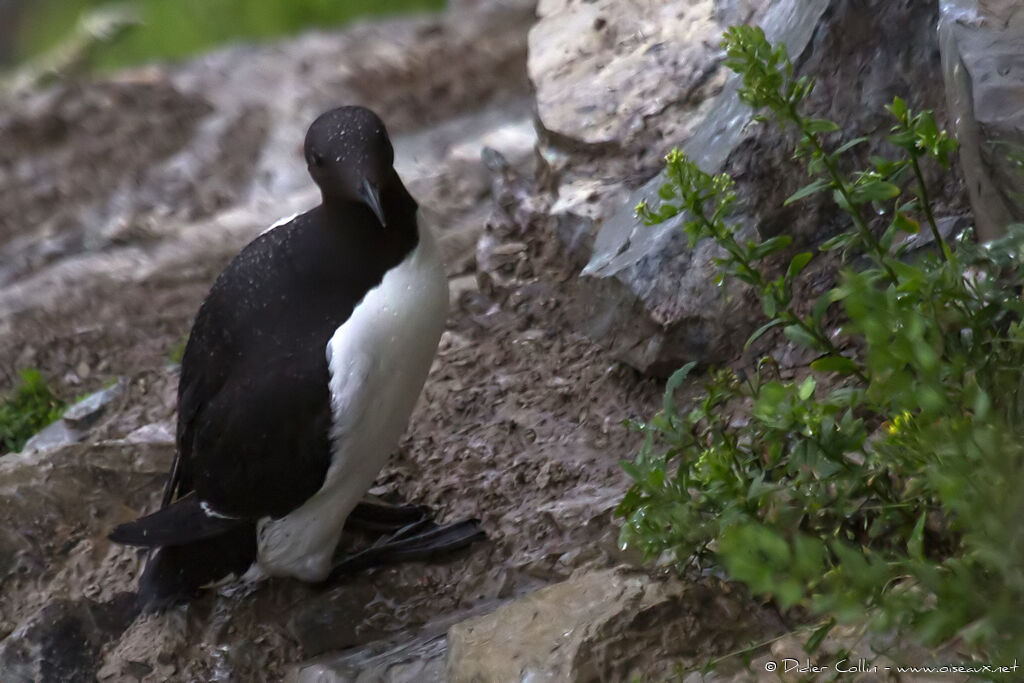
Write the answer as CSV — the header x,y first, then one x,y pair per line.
x,y
175,573
193,546
183,521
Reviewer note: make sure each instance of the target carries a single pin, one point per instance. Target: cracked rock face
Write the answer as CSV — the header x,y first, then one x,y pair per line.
x,y
520,423
600,68
983,65
600,626
644,293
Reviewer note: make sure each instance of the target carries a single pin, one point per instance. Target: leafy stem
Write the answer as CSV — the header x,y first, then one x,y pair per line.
x,y
926,205
839,184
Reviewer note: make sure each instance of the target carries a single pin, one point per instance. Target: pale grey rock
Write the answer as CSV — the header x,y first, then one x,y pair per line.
x,y
420,660
55,435
982,46
157,433
86,412
405,658
645,293
605,625
601,67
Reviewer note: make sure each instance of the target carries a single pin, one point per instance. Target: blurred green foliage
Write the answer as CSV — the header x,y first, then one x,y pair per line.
x,y
29,408
178,28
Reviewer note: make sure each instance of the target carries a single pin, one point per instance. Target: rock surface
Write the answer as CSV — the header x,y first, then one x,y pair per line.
x,y
107,250
600,626
82,211
644,293
601,68
983,65
76,420
520,423
61,641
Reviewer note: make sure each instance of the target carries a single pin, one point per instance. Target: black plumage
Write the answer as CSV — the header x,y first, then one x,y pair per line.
x,y
253,401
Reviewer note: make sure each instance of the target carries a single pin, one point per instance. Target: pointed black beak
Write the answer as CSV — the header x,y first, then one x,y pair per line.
x,y
371,196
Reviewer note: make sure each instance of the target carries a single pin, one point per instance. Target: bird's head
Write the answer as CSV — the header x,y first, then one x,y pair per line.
x,y
350,157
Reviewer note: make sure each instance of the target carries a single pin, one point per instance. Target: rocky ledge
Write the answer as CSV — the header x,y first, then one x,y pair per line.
x,y
528,133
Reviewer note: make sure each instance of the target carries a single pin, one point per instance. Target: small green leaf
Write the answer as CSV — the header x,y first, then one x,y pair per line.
x,y
809,189
807,388
838,242
770,246
886,167
840,200
886,240
800,336
673,383
814,642
874,191
760,331
820,126
905,223
915,544
798,263
839,364
847,146
667,211
820,306
898,108
631,470
926,127
903,140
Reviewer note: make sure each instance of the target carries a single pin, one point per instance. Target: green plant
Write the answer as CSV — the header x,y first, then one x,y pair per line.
x,y
177,350
882,484
29,408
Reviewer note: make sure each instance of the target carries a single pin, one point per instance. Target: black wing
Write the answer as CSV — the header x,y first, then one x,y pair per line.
x,y
253,399
183,522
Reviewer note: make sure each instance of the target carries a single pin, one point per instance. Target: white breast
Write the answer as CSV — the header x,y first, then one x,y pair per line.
x,y
378,360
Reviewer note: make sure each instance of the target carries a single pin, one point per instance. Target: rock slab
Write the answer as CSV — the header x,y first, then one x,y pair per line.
x,y
983,66
645,293
605,625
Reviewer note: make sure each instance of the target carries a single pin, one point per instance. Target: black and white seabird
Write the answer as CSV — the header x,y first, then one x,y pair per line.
x,y
299,377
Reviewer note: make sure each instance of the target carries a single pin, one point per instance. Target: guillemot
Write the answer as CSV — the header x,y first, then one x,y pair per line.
x,y
299,377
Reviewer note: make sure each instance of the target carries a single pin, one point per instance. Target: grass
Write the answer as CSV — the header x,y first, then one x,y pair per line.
x,y
174,29
177,350
29,408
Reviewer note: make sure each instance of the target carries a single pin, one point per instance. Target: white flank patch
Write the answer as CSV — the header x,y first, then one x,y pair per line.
x,y
379,359
284,221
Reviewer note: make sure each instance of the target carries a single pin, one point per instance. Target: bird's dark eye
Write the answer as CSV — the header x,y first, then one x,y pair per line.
x,y
316,159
